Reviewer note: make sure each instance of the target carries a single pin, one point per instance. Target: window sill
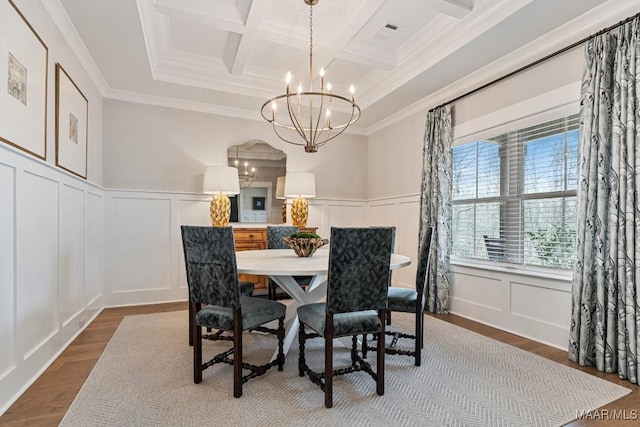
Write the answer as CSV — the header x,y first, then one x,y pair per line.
x,y
560,275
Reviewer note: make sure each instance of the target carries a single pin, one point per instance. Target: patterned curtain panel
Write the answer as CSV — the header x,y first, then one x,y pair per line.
x,y
605,315
435,204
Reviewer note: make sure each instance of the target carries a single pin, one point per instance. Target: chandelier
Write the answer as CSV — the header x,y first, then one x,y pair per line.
x,y
309,113
246,176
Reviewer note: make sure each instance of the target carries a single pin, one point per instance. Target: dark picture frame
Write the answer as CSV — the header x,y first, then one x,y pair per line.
x,y
24,60
258,203
72,125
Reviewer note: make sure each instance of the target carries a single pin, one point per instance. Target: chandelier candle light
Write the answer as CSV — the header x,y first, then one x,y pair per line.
x,y
221,181
309,113
246,178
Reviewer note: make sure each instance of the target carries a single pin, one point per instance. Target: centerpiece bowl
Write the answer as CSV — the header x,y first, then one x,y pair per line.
x,y
305,244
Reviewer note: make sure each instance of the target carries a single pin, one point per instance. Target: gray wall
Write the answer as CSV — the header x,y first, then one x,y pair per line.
x,y
164,149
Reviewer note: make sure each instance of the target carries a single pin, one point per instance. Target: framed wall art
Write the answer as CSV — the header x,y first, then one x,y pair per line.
x,y
23,83
72,114
258,203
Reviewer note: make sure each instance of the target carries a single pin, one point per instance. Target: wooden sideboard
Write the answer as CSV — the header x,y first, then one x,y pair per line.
x,y
249,238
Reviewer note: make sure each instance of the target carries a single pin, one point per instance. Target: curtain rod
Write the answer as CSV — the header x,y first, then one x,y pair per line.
x,y
533,64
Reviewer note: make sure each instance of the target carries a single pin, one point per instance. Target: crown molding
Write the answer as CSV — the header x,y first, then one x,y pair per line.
x,y
588,23
200,107
181,104
61,20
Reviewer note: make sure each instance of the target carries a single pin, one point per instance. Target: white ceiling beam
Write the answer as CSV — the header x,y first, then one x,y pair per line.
x,y
255,11
220,15
357,21
455,8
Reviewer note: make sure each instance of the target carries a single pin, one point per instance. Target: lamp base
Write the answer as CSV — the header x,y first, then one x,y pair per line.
x,y
220,210
284,211
299,212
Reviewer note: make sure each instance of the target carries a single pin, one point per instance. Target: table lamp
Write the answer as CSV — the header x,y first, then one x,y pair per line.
x,y
280,196
221,181
300,186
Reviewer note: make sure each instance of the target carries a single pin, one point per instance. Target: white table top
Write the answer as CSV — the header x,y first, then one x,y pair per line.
x,y
285,262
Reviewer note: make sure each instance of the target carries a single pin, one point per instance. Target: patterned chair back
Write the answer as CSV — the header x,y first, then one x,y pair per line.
x,y
424,264
210,259
359,260
275,235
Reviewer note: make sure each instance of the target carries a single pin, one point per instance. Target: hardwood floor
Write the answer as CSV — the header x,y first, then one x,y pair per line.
x,y
47,400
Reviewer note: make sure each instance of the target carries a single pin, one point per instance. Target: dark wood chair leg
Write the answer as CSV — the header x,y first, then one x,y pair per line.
x,y
388,318
328,361
364,346
421,329
281,344
380,355
237,353
301,343
197,352
419,341
191,315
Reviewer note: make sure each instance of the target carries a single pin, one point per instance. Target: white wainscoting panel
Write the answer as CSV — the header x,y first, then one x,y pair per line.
x,y
140,257
526,299
535,307
51,228
37,310
403,213
478,290
191,211
71,253
94,247
7,269
345,215
407,237
383,214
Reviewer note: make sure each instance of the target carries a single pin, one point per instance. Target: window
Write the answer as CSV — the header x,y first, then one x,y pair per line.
x,y
514,195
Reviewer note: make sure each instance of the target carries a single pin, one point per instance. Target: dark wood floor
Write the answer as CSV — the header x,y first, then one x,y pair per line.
x,y
47,400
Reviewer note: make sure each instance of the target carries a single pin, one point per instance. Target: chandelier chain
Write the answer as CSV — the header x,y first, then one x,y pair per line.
x,y
311,31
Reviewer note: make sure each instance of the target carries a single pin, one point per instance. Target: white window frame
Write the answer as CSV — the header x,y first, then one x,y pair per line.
x,y
561,102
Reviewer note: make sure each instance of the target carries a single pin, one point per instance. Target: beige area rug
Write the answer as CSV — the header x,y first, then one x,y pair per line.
x,y
144,378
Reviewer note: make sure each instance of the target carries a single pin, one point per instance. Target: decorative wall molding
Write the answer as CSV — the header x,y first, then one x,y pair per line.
x,y
537,308
51,279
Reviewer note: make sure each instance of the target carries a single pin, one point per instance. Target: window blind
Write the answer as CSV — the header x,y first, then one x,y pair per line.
x,y
514,195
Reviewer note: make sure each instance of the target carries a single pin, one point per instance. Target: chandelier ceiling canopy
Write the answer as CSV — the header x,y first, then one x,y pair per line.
x,y
308,112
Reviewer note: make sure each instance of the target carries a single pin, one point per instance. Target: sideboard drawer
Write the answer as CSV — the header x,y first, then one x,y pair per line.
x,y
249,246
250,234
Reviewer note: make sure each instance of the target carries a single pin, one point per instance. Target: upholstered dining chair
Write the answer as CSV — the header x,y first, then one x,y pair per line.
x,y
357,284
246,289
409,301
274,241
212,277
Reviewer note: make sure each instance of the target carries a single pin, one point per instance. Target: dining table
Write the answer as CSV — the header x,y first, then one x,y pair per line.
x,y
282,265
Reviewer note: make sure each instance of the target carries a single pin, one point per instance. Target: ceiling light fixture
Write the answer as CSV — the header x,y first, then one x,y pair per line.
x,y
246,177
309,113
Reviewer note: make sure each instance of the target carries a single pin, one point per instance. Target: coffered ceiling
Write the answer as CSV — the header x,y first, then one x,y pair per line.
x,y
230,56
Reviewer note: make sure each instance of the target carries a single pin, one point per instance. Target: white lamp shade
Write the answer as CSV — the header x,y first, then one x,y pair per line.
x,y
280,188
221,179
300,184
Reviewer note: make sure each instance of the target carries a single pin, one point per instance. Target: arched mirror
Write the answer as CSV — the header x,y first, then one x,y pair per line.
x,y
259,166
